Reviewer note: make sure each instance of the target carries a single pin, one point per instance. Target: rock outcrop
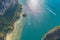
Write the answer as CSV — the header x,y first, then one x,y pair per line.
x,y
53,34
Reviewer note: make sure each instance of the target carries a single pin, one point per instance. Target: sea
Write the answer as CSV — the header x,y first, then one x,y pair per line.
x,y
42,16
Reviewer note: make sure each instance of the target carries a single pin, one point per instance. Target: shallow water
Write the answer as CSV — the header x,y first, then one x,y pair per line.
x,y
42,16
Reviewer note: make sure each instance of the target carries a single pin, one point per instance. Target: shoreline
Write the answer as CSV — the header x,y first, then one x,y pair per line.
x,y
16,34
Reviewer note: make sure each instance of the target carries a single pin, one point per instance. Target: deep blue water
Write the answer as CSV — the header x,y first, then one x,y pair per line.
x,y
37,25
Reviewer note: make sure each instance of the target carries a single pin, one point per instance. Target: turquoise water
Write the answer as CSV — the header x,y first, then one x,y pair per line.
x,y
37,23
